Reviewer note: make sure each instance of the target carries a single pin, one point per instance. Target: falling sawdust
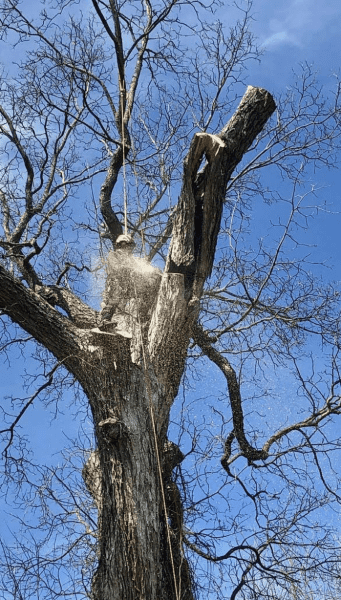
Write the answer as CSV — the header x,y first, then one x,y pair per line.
x,y
127,271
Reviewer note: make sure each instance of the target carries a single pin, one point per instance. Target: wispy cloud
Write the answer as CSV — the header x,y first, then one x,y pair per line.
x,y
296,22
278,39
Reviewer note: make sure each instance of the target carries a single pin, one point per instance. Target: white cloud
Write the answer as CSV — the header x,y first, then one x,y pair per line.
x,y
295,22
278,39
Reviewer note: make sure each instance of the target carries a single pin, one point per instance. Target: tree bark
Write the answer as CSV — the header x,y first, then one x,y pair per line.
x,y
140,552
129,501
125,475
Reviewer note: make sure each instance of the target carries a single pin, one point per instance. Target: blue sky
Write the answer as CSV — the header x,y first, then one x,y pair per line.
x,y
299,30
295,32
289,32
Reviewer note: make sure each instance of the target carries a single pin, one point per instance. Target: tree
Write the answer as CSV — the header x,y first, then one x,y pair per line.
x,y
109,100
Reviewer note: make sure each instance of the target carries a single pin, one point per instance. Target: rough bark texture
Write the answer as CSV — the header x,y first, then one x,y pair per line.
x,y
129,503
131,393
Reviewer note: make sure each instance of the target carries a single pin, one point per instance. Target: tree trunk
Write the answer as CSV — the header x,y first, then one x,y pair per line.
x,y
124,476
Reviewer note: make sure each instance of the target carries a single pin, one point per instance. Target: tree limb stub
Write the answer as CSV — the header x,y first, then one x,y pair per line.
x,y
255,108
199,211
